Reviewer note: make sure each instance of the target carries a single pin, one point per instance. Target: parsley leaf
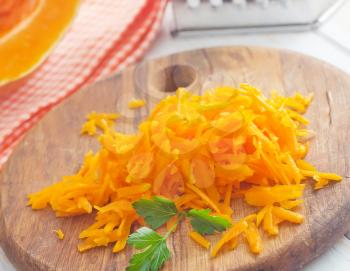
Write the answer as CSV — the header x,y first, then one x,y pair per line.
x,y
155,251
156,211
204,223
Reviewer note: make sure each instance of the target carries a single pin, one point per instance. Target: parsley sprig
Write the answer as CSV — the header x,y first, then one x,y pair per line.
x,y
156,212
155,251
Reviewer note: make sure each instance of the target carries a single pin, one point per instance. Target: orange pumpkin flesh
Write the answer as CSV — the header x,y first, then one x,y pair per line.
x,y
12,12
28,31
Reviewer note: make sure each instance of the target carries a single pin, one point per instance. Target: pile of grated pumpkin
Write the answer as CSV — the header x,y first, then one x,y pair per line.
x,y
201,152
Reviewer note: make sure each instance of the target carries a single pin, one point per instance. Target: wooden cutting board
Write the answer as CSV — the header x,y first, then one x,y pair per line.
x,y
54,148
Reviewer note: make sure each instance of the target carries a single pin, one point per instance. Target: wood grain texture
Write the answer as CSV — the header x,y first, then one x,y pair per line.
x,y
54,148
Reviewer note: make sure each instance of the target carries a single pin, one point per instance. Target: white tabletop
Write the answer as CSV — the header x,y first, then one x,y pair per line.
x,y
331,43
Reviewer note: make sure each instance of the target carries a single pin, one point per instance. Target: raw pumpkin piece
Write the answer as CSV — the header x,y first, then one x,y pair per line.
x,y
13,11
28,32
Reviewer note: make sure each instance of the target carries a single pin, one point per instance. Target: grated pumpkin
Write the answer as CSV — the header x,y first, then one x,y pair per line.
x,y
199,239
59,233
136,103
201,152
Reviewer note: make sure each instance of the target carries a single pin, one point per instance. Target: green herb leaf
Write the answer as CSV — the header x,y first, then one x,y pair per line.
x,y
156,211
155,251
204,223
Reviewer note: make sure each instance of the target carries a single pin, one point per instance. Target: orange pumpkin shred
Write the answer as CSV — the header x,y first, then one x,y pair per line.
x,y
136,103
59,233
199,239
201,152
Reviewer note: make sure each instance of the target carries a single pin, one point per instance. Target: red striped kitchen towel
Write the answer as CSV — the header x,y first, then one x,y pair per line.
x,y
106,36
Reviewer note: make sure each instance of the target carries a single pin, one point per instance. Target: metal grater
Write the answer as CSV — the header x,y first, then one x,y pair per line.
x,y
197,16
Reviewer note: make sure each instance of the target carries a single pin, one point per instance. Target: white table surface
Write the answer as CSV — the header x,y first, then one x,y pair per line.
x,y
331,43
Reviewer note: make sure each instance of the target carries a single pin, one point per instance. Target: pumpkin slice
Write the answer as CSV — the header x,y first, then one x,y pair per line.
x,y
29,29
